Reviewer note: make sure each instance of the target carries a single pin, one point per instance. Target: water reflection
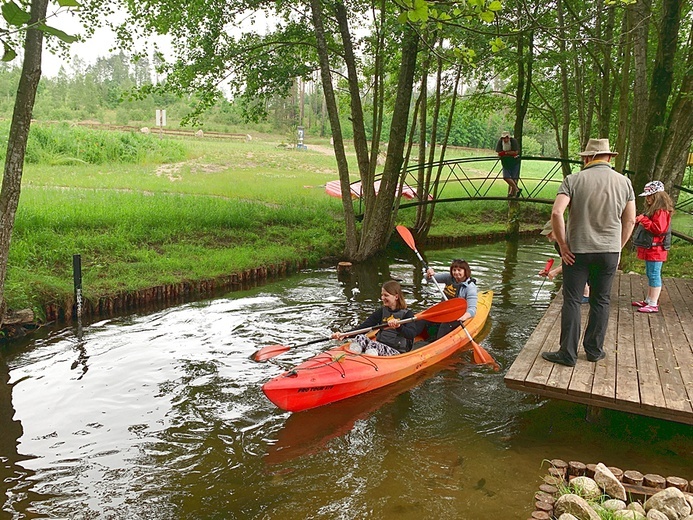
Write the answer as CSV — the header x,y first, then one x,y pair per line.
x,y
162,415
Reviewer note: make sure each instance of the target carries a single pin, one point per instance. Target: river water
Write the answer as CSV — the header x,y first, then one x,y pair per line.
x,y
161,416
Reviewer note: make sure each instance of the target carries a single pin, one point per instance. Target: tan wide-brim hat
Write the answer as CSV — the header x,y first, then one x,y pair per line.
x,y
548,228
505,134
597,147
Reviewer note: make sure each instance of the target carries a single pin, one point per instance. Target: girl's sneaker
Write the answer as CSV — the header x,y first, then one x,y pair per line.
x,y
649,308
641,303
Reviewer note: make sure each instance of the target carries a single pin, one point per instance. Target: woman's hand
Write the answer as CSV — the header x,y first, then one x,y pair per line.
x,y
464,317
392,323
429,273
337,335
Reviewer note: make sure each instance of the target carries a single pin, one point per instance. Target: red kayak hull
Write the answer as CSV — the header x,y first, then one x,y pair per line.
x,y
338,374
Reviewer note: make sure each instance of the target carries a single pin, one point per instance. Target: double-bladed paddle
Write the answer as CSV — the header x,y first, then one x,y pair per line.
x,y
441,312
481,357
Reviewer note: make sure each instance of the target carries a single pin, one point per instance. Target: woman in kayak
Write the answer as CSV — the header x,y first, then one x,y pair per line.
x,y
458,284
394,339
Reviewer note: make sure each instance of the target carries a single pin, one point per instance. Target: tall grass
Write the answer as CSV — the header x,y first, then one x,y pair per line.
x,y
66,144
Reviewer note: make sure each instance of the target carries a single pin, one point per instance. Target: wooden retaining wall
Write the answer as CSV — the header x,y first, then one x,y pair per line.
x,y
164,295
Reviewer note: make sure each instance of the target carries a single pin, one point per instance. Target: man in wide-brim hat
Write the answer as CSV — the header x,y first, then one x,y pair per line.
x,y
602,216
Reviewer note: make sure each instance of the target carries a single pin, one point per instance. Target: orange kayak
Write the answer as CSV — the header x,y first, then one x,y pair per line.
x,y
338,374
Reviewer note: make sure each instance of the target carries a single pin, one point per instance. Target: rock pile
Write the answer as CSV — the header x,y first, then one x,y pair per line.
x,y
576,491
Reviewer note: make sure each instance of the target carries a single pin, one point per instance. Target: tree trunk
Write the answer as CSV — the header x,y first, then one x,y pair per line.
x,y
671,165
351,246
423,119
524,86
378,224
623,97
639,20
660,90
605,93
19,134
565,94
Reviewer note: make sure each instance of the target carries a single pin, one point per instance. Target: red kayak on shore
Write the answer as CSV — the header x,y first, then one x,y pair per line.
x,y
338,374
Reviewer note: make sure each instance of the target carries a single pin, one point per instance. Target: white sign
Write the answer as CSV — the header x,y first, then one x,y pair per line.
x,y
161,118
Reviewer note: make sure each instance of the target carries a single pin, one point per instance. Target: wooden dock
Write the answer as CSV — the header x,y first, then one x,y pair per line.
x,y
648,369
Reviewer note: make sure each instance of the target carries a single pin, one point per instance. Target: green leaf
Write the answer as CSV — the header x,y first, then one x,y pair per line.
x,y
68,3
14,15
403,17
67,38
495,6
497,45
9,53
487,16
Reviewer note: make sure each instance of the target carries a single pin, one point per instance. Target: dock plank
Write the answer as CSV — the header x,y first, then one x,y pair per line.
x,y
649,365
627,388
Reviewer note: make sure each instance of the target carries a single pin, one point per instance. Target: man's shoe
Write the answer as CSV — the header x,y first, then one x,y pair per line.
x,y
594,359
517,195
556,357
649,308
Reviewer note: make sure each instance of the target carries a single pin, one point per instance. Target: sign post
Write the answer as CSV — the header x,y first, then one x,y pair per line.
x,y
161,121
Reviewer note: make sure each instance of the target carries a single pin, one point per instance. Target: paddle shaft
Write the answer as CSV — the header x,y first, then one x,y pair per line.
x,y
439,313
547,268
409,239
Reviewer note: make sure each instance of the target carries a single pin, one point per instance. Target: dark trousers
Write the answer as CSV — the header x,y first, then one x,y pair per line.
x,y
599,270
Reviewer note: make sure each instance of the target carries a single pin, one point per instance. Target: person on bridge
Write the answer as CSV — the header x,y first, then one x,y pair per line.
x,y
458,284
652,237
509,152
602,216
394,339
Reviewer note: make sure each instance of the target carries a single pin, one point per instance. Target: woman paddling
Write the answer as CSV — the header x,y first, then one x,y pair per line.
x,y
394,339
458,284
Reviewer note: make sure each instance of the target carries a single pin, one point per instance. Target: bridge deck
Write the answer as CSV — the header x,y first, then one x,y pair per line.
x,y
648,369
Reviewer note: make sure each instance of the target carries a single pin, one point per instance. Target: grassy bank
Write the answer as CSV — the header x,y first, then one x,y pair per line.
x,y
194,210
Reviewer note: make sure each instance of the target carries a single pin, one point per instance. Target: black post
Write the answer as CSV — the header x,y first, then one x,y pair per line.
x,y
77,276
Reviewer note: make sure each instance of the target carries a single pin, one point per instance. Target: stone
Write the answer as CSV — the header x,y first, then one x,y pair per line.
x,y
637,506
613,504
670,501
576,468
567,516
199,133
607,481
145,130
653,514
576,506
586,488
628,514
